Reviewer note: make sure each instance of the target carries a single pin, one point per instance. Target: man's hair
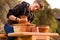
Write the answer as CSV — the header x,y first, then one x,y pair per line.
x,y
25,4
40,2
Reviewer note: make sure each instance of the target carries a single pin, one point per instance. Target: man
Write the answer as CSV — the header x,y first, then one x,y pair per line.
x,y
19,10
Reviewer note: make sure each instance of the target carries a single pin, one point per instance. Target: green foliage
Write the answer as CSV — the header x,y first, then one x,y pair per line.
x,y
46,17
58,28
57,12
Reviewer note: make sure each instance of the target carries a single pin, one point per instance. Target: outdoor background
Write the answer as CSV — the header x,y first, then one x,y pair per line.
x,y
49,16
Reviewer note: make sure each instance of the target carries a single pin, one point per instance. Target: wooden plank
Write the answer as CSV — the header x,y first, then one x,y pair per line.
x,y
40,37
2,35
32,33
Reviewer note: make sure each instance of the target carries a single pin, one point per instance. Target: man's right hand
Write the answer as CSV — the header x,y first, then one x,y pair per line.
x,y
12,17
21,20
18,19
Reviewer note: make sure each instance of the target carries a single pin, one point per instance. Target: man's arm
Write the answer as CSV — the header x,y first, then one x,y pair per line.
x,y
15,12
11,16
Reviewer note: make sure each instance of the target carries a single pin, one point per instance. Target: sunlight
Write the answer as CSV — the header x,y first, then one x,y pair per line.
x,y
54,3
29,1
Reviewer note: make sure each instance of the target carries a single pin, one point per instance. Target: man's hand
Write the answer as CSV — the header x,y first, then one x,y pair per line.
x,y
12,17
21,20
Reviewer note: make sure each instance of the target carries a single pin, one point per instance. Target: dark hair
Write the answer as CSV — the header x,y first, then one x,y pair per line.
x,y
39,2
25,4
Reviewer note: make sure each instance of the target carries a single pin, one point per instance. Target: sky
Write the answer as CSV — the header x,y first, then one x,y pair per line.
x,y
53,3
29,1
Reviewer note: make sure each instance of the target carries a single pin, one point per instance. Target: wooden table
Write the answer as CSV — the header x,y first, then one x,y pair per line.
x,y
2,35
29,35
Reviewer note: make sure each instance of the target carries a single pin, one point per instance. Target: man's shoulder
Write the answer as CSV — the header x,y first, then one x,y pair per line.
x,y
22,4
25,4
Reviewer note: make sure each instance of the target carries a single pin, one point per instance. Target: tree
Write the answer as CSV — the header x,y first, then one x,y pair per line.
x,y
46,17
5,5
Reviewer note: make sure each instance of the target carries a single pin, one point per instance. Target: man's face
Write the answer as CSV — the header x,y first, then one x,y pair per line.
x,y
35,7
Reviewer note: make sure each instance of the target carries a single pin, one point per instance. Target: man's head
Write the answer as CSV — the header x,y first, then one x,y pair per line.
x,y
37,5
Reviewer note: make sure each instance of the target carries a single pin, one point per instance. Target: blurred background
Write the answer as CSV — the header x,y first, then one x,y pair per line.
x,y
49,16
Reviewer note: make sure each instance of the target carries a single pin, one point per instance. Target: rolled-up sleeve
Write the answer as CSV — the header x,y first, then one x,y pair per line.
x,y
10,13
15,11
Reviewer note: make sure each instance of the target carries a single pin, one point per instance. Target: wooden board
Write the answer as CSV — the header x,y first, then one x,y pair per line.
x,y
2,35
31,33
